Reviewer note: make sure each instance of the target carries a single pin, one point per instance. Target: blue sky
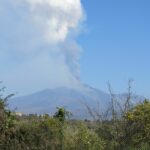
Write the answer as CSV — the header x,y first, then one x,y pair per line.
x,y
115,43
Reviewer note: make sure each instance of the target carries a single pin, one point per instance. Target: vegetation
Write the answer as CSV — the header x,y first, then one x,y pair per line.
x,y
128,129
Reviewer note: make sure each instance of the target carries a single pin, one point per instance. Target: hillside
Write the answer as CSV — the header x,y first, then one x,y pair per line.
x,y
74,100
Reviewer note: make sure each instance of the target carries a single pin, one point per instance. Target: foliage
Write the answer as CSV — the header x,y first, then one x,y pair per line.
x,y
83,138
62,114
129,131
138,122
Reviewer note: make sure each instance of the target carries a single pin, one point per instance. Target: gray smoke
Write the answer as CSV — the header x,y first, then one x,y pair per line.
x,y
38,42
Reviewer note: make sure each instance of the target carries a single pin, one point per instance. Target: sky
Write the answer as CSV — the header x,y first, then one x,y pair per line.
x,y
116,45
51,43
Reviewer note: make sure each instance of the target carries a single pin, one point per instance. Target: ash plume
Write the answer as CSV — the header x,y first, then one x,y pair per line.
x,y
39,45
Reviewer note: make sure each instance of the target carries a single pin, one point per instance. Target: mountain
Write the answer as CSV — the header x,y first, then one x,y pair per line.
x,y
74,100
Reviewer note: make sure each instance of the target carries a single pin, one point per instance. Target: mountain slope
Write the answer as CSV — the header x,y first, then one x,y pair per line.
x,y
74,100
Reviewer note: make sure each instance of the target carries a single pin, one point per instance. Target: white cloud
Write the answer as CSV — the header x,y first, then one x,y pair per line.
x,y
55,18
38,45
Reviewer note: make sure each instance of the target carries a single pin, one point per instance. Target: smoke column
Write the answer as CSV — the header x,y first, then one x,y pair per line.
x,y
38,45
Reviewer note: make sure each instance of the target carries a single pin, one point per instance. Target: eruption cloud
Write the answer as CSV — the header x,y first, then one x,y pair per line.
x,y
38,45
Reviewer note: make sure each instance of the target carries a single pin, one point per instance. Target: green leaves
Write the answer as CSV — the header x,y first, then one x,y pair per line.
x,y
62,114
130,131
139,120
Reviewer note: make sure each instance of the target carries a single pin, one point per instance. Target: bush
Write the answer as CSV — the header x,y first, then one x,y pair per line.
x,y
138,123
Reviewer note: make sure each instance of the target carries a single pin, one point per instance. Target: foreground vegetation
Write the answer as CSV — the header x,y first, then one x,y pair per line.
x,y
126,129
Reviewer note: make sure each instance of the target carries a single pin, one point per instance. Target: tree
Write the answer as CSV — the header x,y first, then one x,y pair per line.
x,y
138,123
6,120
62,115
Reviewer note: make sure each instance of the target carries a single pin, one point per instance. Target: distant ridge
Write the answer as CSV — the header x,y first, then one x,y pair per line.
x,y
75,100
